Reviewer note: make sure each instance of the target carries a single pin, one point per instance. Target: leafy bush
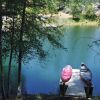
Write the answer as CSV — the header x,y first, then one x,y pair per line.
x,y
89,14
76,11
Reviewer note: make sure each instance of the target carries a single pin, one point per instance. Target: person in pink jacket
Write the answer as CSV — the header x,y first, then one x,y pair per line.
x,y
66,73
65,77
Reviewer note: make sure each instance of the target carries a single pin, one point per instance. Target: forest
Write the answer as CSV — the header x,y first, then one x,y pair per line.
x,y
22,32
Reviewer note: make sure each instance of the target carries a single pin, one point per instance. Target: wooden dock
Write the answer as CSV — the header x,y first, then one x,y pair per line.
x,y
75,85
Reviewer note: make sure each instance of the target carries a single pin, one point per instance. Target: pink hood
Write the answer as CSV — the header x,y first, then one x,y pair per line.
x,y
66,73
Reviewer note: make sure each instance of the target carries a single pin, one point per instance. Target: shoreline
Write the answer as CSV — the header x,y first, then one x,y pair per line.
x,y
67,20
89,23
52,97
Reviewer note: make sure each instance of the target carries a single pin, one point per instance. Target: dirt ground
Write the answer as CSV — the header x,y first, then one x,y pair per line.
x,y
63,15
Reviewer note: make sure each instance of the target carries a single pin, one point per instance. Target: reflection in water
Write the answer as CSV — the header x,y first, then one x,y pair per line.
x,y
82,47
95,46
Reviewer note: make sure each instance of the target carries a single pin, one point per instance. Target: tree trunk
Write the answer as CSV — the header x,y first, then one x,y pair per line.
x,y
10,59
1,66
21,43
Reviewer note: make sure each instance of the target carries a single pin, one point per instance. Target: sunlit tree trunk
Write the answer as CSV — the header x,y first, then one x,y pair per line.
x,y
1,66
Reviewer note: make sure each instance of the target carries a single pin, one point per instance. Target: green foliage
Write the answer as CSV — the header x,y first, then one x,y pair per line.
x,y
81,9
51,6
76,11
99,21
34,31
90,15
25,30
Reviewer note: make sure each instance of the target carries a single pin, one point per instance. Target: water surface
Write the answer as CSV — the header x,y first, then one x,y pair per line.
x,y
82,47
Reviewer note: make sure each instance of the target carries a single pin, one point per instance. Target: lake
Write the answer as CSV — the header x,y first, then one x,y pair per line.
x,y
83,46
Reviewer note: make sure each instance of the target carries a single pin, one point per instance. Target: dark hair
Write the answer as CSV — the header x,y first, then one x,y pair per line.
x,y
82,64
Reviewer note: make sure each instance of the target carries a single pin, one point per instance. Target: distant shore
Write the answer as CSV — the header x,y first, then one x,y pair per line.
x,y
88,23
67,20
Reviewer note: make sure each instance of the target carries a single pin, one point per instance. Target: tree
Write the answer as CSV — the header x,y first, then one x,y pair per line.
x,y
1,65
10,59
25,34
21,43
76,9
90,12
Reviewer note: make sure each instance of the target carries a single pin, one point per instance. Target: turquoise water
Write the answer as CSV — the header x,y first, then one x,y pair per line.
x,y
43,77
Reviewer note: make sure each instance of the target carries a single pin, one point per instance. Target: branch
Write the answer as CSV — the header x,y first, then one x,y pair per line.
x,y
7,13
36,5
